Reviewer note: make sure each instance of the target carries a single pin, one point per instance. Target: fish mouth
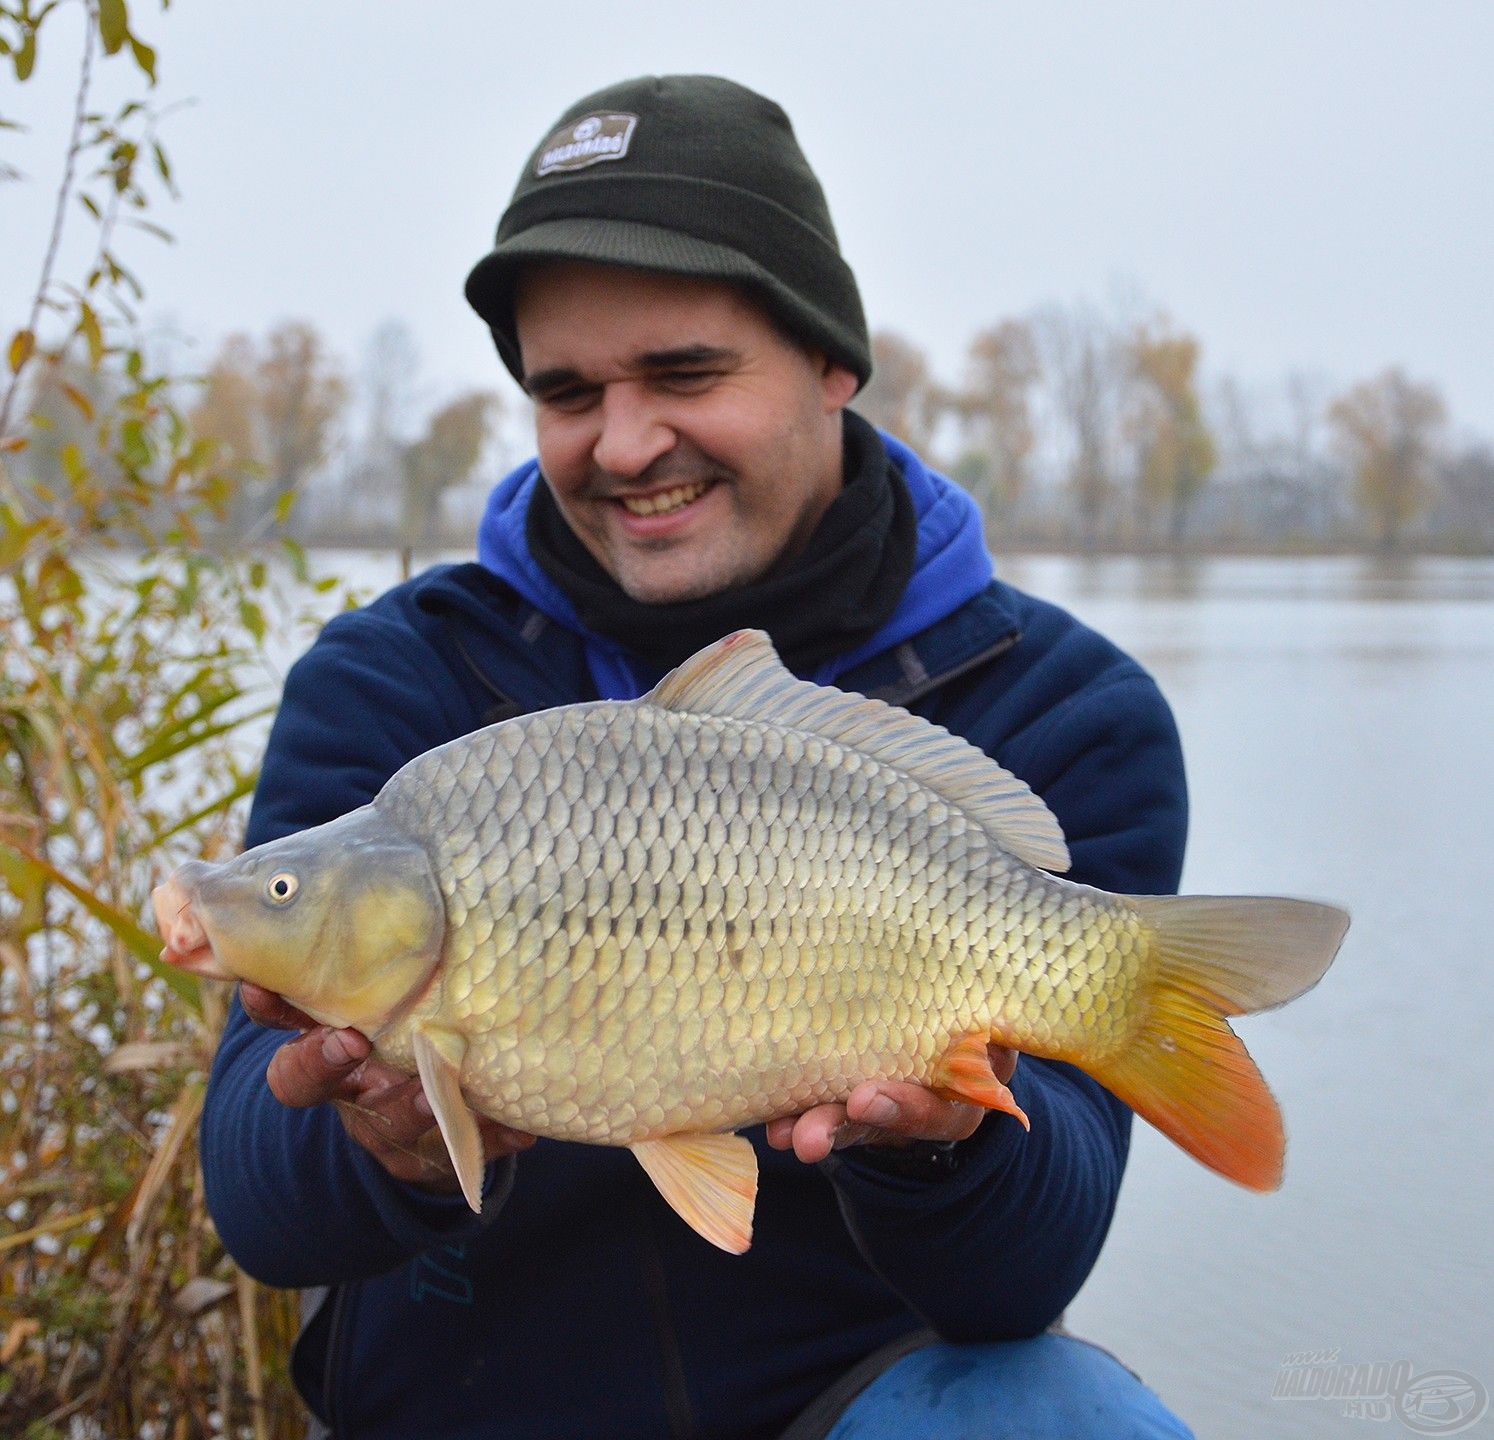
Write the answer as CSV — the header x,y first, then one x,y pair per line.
x,y
187,944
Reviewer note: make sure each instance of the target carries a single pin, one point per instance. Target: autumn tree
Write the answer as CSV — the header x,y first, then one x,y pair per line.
x,y
444,457
1389,429
900,397
1175,449
301,397
995,411
274,410
227,408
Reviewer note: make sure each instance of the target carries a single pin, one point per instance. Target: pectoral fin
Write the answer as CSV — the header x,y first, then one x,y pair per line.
x,y
710,1180
965,1074
438,1058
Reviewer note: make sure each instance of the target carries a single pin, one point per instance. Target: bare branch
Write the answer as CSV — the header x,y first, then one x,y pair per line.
x,y
59,212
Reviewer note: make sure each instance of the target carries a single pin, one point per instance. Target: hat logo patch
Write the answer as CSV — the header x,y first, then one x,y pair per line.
x,y
587,141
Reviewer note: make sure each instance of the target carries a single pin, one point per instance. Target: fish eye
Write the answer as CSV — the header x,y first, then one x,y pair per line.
x,y
281,887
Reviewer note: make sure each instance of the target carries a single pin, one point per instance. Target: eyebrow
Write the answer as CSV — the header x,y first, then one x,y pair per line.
x,y
543,382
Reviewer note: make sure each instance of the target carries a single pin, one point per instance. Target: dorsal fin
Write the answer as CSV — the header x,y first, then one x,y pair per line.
x,y
742,676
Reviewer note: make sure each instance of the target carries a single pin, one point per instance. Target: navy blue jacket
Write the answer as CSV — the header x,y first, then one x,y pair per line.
x,y
577,1304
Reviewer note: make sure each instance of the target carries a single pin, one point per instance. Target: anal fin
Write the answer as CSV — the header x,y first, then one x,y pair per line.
x,y
965,1073
709,1180
438,1058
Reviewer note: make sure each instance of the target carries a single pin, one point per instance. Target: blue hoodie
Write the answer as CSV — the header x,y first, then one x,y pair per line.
x,y
576,1304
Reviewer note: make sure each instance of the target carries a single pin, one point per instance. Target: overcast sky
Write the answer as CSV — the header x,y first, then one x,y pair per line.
x,y
1306,185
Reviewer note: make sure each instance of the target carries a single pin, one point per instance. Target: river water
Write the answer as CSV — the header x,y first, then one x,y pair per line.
x,y
1338,721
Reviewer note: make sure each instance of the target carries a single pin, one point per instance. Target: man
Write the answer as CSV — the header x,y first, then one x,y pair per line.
x,y
667,286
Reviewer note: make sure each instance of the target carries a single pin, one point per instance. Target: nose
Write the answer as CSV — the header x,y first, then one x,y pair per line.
x,y
633,435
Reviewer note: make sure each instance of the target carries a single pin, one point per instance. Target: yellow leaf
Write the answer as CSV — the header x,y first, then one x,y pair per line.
x,y
25,56
145,58
72,463
253,619
22,347
84,404
114,24
88,323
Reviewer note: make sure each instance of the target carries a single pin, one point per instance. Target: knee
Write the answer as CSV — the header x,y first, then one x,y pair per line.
x,y
1053,1387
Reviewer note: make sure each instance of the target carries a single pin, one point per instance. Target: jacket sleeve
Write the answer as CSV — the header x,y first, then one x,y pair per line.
x,y
295,1200
998,1247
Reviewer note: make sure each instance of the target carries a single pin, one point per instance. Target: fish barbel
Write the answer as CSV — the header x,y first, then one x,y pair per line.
x,y
650,923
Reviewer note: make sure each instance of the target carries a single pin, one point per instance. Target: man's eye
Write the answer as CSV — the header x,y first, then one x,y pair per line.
x,y
573,397
689,380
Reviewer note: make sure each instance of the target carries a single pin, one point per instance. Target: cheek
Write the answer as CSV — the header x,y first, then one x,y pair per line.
x,y
776,456
564,445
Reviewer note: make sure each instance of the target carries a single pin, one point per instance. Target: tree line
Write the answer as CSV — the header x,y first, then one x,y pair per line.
x,y
1073,431
1078,431
306,449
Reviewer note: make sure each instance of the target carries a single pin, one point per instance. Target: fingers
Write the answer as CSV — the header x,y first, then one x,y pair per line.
x,y
876,1113
391,1119
811,1135
879,1112
383,1110
265,1007
905,1111
315,1066
780,1132
500,1140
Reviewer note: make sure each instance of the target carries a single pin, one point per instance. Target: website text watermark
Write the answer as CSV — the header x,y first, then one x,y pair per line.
x,y
1426,1402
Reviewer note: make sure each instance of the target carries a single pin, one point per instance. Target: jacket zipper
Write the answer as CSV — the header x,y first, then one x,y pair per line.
x,y
909,691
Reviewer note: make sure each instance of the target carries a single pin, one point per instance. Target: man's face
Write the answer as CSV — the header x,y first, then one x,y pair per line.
x,y
688,443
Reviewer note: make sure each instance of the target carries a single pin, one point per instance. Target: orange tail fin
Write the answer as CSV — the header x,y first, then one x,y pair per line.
x,y
1185,1070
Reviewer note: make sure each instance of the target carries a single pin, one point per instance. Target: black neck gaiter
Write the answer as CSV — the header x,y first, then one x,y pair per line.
x,y
833,595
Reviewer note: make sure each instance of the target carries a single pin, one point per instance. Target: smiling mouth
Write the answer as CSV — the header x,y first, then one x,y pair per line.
x,y
664,501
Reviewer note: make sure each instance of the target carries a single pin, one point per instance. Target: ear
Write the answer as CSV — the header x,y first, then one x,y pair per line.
x,y
837,384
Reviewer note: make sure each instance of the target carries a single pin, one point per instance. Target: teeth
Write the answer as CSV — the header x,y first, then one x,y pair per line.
x,y
665,501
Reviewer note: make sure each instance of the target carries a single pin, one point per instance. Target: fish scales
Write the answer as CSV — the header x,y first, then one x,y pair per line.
x,y
570,1039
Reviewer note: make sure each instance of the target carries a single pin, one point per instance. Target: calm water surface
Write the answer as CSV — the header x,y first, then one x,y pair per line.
x,y
1338,721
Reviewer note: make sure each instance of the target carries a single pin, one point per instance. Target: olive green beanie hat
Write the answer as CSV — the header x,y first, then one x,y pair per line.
x,y
687,175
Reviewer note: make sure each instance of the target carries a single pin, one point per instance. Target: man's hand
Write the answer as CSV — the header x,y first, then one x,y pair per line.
x,y
384,1111
883,1112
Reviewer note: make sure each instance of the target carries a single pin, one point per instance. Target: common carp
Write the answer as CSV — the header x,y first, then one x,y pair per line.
x,y
651,923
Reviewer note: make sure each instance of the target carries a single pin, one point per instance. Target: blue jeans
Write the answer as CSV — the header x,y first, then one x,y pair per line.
x,y
1053,1387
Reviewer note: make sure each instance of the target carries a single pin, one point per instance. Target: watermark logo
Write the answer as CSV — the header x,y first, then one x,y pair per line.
x,y
1441,1402
1428,1402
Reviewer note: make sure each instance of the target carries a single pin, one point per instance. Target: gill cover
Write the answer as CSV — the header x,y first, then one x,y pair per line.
x,y
345,920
